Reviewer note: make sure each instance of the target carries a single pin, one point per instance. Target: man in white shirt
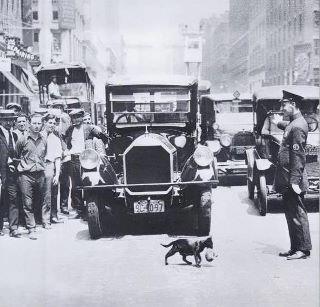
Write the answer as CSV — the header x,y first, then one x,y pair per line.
x,y
53,89
76,138
52,172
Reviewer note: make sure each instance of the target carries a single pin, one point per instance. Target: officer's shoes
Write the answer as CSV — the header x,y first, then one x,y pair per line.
x,y
286,254
299,255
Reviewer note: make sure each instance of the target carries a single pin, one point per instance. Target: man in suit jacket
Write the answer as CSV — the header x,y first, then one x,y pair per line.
x,y
76,138
8,174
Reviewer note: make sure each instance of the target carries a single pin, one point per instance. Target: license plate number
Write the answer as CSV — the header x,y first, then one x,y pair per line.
x,y
151,206
312,150
240,150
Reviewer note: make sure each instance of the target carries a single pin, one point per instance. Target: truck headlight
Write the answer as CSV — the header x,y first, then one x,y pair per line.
x,y
180,141
203,155
214,146
225,140
89,159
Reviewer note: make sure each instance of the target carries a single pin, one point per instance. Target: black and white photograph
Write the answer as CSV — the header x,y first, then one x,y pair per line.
x,y
159,153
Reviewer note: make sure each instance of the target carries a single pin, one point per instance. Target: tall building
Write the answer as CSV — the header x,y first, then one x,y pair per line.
x,y
292,42
239,45
257,44
216,53
16,56
58,30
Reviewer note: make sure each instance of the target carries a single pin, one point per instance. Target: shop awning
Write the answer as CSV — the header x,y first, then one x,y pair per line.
x,y
22,88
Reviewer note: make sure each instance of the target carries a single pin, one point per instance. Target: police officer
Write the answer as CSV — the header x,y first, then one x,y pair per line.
x,y
291,177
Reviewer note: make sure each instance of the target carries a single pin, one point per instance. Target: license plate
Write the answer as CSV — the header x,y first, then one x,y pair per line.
x,y
240,150
149,206
311,150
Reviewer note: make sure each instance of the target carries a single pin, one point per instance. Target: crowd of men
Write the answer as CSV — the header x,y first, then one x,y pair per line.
x,y
39,154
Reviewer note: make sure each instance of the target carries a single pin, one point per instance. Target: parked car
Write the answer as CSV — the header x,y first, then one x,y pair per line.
x,y
262,158
226,122
155,170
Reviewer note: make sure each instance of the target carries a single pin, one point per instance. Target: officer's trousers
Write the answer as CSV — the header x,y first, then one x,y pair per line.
x,y
297,220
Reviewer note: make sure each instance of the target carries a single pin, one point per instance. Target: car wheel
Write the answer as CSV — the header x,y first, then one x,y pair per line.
x,y
262,195
94,220
204,213
250,186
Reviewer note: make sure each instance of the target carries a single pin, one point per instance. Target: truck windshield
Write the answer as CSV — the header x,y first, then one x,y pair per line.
x,y
163,106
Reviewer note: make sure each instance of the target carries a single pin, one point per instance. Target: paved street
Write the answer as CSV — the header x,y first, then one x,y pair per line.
x,y
65,268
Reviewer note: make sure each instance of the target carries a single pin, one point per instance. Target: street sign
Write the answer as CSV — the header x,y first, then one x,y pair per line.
x,y
236,94
5,64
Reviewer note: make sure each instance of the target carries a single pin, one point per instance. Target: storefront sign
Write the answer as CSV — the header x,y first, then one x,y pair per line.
x,y
5,64
67,14
16,50
193,49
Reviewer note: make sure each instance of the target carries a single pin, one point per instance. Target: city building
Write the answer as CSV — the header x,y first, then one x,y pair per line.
x,y
58,30
292,40
239,45
216,53
16,56
257,44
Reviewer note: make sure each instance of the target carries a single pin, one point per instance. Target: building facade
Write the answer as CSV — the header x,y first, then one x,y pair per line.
x,y
15,50
216,52
257,44
239,45
58,30
292,42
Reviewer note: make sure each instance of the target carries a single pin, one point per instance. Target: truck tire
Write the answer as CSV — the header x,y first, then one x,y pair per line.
x,y
262,196
250,186
94,221
204,213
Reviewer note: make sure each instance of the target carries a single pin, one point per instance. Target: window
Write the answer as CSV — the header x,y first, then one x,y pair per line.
x,y
35,15
55,15
36,37
317,46
300,23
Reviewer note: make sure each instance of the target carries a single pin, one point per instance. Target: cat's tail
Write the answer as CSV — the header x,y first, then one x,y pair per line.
x,y
164,245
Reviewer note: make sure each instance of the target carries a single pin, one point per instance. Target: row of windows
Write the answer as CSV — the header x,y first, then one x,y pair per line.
x,y
280,13
279,60
55,15
287,32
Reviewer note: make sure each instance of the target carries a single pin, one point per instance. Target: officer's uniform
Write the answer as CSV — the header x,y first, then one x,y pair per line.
x,y
291,170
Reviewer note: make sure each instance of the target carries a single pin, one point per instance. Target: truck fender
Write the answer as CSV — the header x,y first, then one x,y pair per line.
x,y
263,164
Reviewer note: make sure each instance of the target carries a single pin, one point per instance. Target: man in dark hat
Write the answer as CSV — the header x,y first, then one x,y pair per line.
x,y
76,137
291,177
15,107
8,174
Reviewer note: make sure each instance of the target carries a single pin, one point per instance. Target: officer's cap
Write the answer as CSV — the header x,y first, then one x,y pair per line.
x,y
7,114
291,97
13,105
76,113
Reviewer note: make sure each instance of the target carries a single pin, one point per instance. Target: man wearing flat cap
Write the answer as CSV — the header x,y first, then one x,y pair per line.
x,y
15,107
76,139
291,177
